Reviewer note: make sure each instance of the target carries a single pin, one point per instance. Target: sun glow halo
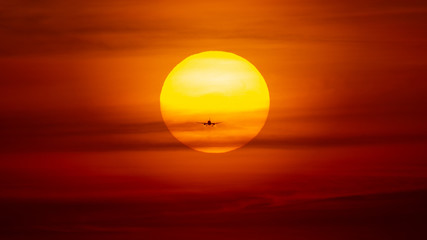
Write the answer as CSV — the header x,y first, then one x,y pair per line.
x,y
220,86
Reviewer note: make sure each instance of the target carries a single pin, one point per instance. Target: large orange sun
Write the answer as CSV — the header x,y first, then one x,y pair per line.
x,y
217,86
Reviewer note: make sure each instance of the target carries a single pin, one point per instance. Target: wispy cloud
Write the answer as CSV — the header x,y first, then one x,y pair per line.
x,y
50,27
26,132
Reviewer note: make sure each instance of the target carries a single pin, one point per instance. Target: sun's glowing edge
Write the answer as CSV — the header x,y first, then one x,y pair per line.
x,y
165,103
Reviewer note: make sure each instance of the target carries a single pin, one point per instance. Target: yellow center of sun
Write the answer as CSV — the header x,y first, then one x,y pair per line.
x,y
217,86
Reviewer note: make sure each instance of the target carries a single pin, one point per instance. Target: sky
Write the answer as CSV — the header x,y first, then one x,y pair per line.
x,y
85,153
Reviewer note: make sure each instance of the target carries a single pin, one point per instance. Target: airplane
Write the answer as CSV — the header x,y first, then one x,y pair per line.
x,y
209,123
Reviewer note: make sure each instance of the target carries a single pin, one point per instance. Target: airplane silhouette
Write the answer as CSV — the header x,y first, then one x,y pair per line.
x,y
209,123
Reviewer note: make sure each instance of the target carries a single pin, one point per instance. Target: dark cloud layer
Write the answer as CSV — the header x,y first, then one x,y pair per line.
x,y
28,133
233,216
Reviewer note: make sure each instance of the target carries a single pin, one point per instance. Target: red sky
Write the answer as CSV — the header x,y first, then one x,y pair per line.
x,y
85,154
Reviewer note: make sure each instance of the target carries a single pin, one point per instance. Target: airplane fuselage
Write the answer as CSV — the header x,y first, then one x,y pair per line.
x,y
210,123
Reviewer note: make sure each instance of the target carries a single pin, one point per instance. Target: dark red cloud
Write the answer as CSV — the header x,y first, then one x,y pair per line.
x,y
397,215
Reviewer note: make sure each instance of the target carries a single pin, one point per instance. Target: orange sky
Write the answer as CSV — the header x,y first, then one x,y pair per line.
x,y
84,149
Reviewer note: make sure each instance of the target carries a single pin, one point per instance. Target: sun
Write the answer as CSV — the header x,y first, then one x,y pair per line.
x,y
220,87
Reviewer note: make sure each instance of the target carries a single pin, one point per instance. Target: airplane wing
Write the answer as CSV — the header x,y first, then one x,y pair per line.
x,y
217,122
